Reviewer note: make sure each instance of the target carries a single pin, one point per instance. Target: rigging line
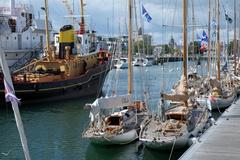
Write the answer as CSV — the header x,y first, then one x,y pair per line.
x,y
170,156
143,83
143,31
113,17
174,14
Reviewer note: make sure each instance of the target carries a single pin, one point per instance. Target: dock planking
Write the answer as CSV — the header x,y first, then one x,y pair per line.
x,y
221,141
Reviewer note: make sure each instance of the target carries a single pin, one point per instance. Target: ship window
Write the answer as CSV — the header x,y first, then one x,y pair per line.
x,y
7,38
85,41
27,38
5,55
16,55
33,37
79,39
12,24
15,38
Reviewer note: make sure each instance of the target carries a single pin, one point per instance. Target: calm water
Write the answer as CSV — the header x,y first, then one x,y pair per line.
x,y
54,130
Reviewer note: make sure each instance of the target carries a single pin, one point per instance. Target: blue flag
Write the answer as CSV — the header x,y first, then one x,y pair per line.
x,y
204,36
145,14
199,40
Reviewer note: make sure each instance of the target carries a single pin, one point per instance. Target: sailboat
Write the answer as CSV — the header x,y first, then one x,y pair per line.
x,y
221,96
116,119
76,66
174,127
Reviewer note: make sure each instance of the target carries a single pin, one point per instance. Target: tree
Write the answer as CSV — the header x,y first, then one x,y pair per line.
x,y
138,48
196,48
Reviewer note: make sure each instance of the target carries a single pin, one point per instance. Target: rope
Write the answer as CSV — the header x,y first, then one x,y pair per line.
x,y
170,156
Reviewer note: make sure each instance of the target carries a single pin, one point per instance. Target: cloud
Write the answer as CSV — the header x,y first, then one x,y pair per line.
x,y
109,17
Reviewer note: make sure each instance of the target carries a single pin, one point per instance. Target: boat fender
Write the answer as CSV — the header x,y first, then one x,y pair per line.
x,y
212,121
192,141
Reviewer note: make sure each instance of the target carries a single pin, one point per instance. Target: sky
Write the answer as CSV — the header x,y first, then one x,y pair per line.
x,y
109,17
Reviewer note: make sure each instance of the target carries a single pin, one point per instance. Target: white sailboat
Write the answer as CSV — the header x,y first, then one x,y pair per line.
x,y
122,63
117,119
186,118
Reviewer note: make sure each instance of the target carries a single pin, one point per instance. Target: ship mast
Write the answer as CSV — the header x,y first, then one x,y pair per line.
x,y
129,46
218,41
185,46
193,28
235,41
209,36
82,22
46,26
185,39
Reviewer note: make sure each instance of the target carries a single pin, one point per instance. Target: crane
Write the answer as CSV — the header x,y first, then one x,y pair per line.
x,y
69,8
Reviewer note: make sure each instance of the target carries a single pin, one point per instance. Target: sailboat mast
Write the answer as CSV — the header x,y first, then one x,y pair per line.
x,y
46,25
218,41
209,36
185,39
193,27
235,41
129,46
82,22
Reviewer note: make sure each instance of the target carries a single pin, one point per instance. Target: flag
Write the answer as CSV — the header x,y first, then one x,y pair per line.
x,y
225,68
204,36
214,26
228,19
146,15
199,40
9,93
212,99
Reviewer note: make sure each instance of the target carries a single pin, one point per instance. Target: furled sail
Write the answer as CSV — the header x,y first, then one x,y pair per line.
x,y
113,102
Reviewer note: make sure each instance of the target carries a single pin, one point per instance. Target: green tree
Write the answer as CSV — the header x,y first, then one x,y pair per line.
x,y
196,48
138,48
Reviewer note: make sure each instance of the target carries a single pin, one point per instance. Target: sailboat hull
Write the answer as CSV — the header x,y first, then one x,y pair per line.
x,y
221,103
157,137
167,145
119,139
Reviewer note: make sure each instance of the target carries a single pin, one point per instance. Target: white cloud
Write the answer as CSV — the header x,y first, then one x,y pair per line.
x,y
107,15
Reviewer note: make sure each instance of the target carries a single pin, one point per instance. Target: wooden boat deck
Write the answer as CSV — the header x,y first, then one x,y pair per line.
x,y
152,130
221,141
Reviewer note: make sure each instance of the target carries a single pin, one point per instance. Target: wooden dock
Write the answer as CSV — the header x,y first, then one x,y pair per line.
x,y
221,141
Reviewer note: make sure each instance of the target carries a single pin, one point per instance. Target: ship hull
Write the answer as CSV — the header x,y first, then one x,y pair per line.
x,y
88,84
120,139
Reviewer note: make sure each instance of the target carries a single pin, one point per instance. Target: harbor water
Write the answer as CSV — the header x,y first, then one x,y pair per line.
x,y
54,130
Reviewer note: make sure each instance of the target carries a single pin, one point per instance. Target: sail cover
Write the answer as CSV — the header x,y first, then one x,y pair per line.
x,y
113,102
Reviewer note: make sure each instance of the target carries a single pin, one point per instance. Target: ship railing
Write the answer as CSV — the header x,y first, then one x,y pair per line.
x,y
34,53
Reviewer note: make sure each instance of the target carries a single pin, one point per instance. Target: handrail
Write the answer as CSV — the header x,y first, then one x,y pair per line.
x,y
27,56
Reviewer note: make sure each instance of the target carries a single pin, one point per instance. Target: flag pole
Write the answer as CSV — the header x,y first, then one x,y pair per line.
x,y
15,108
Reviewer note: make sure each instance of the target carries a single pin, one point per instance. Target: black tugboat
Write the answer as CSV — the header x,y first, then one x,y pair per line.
x,y
76,66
